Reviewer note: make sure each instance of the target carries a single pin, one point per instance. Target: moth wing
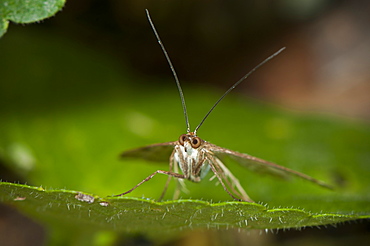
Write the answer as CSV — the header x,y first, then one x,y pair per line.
x,y
155,152
259,165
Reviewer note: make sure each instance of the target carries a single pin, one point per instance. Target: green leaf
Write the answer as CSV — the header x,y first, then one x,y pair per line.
x,y
149,217
27,11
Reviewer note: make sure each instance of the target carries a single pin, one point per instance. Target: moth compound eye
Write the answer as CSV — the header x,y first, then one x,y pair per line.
x,y
195,142
182,139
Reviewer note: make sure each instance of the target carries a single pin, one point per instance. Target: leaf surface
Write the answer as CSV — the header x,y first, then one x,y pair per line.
x,y
146,216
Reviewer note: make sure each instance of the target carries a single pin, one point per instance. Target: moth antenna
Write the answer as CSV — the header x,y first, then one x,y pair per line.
x,y
173,71
237,83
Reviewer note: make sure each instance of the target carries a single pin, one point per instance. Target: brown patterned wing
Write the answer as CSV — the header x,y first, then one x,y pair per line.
x,y
259,165
156,152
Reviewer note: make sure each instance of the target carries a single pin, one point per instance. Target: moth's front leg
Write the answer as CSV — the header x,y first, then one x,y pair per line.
x,y
172,163
196,172
180,160
172,174
180,183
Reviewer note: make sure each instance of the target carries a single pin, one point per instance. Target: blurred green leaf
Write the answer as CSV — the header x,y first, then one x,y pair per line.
x,y
27,11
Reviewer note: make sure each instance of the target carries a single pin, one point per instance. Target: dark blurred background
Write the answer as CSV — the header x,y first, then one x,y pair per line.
x,y
325,68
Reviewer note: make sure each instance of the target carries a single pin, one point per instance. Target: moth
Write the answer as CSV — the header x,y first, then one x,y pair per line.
x,y
195,157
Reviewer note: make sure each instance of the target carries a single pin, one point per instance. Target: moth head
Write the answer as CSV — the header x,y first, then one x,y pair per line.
x,y
190,138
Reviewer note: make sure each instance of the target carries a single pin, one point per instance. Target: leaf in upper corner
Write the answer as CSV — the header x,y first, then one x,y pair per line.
x,y
27,11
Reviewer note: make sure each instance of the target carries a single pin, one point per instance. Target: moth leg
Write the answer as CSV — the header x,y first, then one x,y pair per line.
x,y
233,182
172,162
219,168
180,185
222,183
172,174
196,170
177,192
165,188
